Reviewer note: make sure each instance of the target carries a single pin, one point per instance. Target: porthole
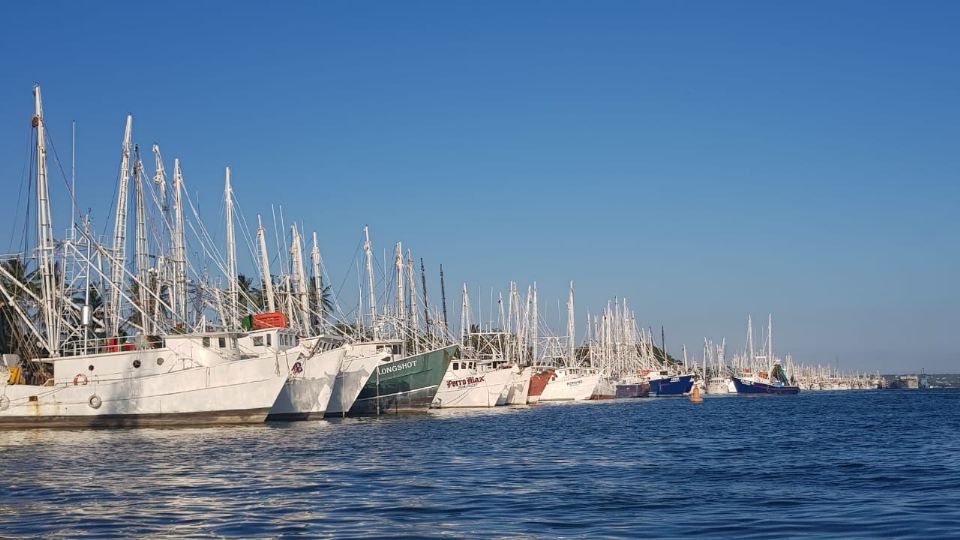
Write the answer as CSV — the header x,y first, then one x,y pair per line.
x,y
90,367
136,363
160,361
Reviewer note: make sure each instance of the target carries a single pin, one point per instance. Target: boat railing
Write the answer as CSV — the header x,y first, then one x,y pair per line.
x,y
108,345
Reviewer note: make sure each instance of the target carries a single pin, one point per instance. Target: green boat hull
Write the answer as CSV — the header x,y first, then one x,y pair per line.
x,y
405,385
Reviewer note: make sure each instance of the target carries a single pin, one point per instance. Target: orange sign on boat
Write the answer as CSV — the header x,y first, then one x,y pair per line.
x,y
271,319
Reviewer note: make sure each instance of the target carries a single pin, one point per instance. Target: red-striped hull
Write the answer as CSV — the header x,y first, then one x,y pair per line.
x,y
538,382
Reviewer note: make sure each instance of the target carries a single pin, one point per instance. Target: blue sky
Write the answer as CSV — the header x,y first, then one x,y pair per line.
x,y
704,160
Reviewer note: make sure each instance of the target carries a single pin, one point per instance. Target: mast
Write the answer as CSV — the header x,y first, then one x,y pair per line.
x,y
443,298
265,267
401,302
770,343
371,293
571,330
464,315
45,247
413,324
750,341
179,246
534,322
426,301
317,280
141,250
120,232
300,280
233,292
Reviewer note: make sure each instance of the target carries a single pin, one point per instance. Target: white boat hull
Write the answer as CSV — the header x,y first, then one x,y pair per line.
x,y
308,389
237,391
352,376
472,388
518,389
570,387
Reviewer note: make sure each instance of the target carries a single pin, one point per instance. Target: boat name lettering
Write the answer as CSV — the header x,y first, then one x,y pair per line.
x,y
464,382
398,367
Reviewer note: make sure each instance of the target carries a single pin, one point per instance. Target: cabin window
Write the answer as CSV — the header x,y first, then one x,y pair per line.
x,y
258,341
222,343
456,365
268,340
233,343
206,342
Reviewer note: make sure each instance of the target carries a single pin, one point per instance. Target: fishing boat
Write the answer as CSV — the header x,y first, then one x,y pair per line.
x,y
538,383
762,383
762,373
156,381
355,370
101,366
718,384
468,383
518,389
632,387
606,388
665,383
571,384
403,383
312,365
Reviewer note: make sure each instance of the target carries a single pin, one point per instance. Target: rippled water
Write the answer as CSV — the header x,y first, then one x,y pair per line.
x,y
851,464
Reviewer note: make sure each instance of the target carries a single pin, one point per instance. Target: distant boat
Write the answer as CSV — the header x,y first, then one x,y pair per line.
x,y
664,384
761,383
571,384
606,389
633,389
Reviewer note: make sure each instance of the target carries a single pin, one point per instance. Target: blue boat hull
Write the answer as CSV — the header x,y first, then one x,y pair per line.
x,y
673,386
748,387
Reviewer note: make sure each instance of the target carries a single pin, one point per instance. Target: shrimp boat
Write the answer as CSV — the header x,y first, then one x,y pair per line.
x,y
402,383
538,383
664,383
606,388
468,383
755,381
312,365
82,368
632,386
354,373
157,381
518,389
761,383
571,384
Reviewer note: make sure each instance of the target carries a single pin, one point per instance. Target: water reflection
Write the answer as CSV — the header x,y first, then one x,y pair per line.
x,y
844,464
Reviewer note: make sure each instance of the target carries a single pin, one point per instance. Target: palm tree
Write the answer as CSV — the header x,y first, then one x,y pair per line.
x,y
251,298
326,301
12,335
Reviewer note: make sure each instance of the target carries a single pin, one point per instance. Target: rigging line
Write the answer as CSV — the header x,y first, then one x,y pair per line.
x,y
31,196
347,275
23,181
63,174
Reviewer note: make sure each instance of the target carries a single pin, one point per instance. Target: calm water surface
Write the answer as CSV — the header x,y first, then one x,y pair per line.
x,y
844,464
